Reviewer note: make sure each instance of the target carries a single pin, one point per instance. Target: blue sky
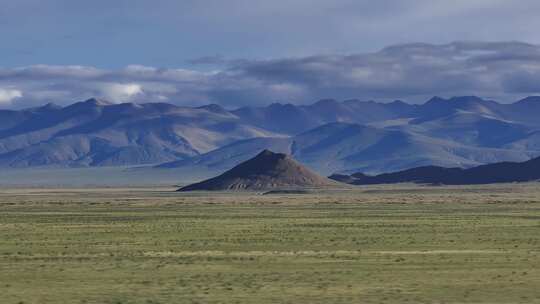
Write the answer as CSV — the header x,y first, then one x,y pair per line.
x,y
244,43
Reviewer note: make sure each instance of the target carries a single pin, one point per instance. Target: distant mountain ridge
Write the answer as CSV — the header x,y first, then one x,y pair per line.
x,y
294,119
504,172
328,136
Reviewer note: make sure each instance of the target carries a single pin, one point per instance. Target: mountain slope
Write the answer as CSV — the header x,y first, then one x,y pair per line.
x,y
473,129
438,107
230,155
343,147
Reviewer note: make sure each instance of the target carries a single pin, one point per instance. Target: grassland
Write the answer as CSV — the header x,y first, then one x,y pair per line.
x,y
373,245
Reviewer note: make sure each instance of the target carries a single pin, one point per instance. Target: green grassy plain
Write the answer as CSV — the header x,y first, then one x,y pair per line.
x,y
404,244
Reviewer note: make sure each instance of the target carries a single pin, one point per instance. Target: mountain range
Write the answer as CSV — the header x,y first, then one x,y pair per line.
x,y
97,133
328,136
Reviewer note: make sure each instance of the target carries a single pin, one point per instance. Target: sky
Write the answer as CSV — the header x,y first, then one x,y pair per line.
x,y
240,52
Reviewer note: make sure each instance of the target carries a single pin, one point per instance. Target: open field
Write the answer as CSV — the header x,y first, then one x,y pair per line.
x,y
399,244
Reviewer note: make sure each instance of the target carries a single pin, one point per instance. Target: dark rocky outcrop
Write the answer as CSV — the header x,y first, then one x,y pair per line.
x,y
266,171
504,172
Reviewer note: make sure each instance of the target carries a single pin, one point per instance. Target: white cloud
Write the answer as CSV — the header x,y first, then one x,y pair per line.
x,y
8,95
117,92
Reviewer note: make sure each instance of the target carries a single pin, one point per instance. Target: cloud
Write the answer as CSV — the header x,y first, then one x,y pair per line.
x,y
413,72
117,33
120,92
8,95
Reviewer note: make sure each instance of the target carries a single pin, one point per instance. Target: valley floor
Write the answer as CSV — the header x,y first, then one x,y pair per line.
x,y
399,244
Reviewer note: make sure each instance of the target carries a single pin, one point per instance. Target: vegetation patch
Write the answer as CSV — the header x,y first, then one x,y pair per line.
x,y
372,245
